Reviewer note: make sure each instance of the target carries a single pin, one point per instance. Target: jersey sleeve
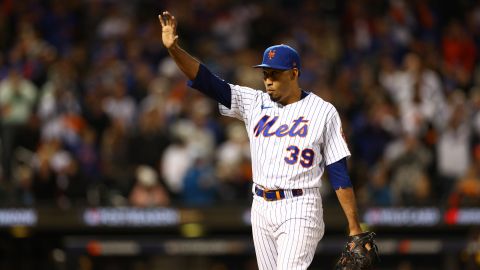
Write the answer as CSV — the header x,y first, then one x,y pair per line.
x,y
211,85
242,100
335,145
234,100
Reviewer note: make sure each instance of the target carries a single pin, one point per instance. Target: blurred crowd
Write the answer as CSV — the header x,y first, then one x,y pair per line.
x,y
94,112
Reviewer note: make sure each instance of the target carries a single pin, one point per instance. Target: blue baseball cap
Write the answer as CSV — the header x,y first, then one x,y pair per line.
x,y
281,57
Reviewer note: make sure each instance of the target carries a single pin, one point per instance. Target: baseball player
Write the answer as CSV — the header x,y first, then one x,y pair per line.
x,y
294,136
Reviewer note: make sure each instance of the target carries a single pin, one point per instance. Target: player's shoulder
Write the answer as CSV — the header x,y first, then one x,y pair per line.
x,y
244,88
325,107
320,101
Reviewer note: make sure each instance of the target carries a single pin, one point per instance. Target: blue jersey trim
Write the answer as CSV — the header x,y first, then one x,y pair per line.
x,y
303,94
212,86
338,174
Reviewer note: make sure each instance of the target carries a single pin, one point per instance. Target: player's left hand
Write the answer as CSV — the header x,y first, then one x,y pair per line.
x,y
361,252
169,29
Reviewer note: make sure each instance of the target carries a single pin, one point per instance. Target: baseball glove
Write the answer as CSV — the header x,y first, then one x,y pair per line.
x,y
356,255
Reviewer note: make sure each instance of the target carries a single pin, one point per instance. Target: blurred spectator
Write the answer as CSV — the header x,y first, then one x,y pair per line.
x,y
32,53
232,28
176,161
57,176
17,100
158,89
67,128
115,24
416,91
371,133
119,106
402,22
116,170
147,191
377,191
147,144
59,107
459,53
427,21
454,144
73,185
466,192
24,192
3,67
94,114
357,25
59,24
88,155
200,184
408,160
58,94
142,76
233,166
198,130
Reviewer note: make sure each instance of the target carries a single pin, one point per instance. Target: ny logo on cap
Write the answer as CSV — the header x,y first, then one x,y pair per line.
x,y
271,54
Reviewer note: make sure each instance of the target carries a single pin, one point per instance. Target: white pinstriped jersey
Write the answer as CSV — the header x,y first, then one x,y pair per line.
x,y
289,144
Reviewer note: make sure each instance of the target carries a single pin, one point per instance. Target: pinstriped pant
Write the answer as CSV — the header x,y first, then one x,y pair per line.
x,y
286,232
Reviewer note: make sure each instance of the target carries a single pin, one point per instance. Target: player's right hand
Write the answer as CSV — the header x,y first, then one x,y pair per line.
x,y
169,27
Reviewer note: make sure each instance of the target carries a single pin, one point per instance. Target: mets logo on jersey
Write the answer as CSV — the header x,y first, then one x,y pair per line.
x,y
271,54
264,126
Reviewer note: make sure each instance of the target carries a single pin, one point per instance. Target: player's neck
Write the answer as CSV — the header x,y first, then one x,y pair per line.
x,y
296,96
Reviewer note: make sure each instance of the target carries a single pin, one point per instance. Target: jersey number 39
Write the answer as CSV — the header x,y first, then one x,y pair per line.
x,y
306,156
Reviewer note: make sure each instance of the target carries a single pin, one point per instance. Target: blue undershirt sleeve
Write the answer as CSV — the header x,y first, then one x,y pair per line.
x,y
338,174
212,86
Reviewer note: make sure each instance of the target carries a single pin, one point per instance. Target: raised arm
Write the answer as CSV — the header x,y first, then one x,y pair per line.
x,y
187,63
200,77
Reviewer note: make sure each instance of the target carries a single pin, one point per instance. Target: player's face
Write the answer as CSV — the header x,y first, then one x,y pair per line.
x,y
280,84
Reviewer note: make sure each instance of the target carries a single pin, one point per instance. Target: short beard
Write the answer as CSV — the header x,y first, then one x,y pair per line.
x,y
273,98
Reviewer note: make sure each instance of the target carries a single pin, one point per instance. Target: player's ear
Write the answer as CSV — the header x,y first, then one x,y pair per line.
x,y
295,73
